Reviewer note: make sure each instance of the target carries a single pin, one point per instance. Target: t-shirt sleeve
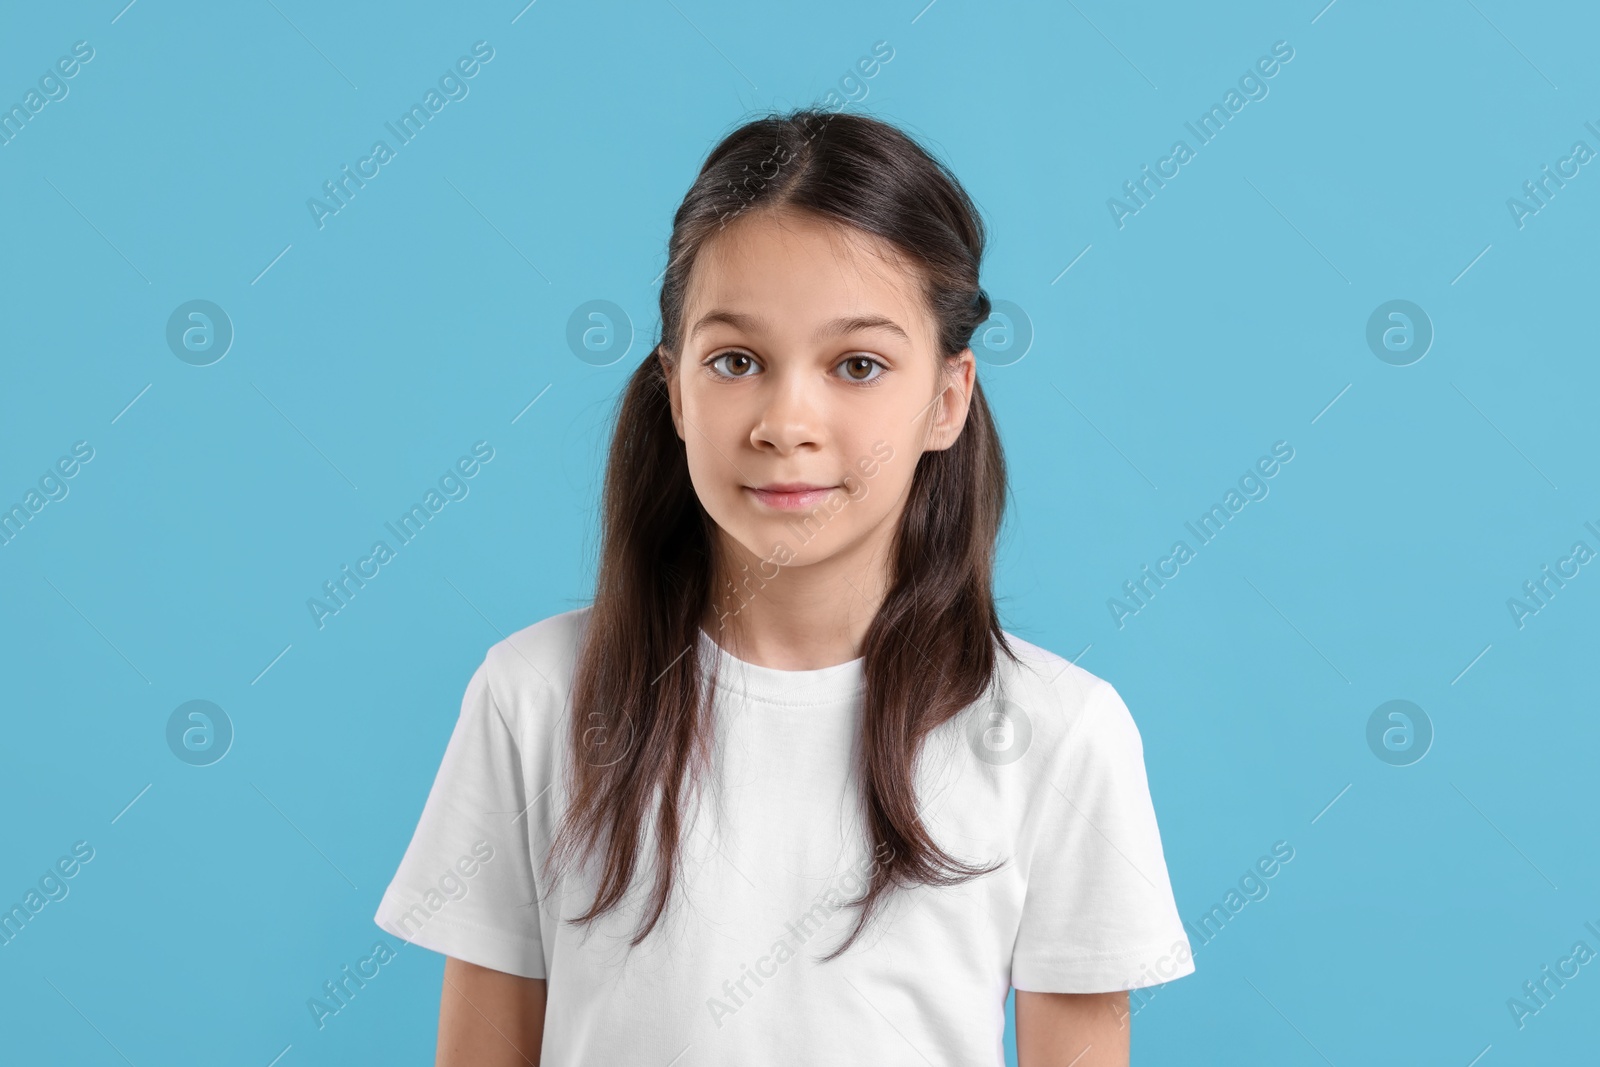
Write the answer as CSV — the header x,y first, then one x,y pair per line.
x,y
1098,915
466,886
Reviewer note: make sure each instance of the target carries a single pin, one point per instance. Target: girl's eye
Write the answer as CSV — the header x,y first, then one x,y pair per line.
x,y
739,364
862,368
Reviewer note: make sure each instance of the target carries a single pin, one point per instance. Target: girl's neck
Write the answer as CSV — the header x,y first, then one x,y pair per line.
x,y
795,617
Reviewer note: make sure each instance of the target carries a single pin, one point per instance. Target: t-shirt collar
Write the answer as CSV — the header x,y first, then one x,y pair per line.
x,y
838,684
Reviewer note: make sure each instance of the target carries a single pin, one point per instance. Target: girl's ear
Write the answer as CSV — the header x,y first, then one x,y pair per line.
x,y
950,414
674,396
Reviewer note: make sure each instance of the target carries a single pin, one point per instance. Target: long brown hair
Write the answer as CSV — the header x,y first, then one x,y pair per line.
x,y
641,738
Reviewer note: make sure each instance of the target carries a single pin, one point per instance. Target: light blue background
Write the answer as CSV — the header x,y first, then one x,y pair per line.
x,y
1228,314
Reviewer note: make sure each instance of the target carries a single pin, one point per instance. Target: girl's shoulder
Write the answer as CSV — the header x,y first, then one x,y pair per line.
x,y
1066,706
529,672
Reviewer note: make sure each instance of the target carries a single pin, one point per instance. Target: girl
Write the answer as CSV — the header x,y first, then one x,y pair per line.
x,y
786,793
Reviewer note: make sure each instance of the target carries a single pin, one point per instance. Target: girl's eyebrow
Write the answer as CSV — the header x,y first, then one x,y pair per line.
x,y
832,328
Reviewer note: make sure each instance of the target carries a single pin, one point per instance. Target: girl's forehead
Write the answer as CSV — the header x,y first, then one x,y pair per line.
x,y
788,234
806,267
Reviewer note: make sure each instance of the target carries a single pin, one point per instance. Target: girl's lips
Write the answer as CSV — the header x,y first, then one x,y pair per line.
x,y
790,500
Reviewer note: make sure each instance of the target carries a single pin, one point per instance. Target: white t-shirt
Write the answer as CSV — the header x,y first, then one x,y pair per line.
x,y
1048,774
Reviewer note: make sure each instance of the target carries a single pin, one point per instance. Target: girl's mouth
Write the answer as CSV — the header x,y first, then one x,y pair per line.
x,y
790,496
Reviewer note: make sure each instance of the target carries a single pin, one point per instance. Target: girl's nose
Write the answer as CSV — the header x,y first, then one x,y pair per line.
x,y
790,415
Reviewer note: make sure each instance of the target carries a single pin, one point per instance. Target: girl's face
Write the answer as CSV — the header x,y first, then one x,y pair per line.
x,y
807,388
